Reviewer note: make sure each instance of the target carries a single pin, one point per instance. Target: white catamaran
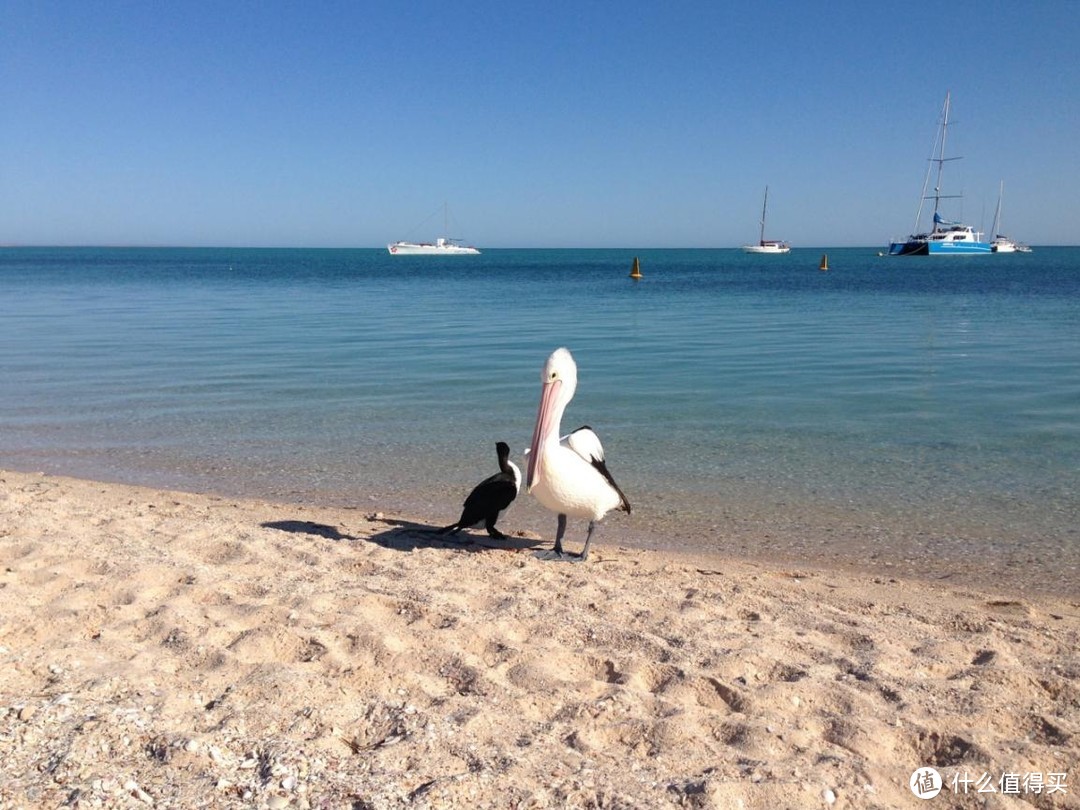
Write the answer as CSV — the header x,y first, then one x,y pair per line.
x,y
766,245
442,246
946,238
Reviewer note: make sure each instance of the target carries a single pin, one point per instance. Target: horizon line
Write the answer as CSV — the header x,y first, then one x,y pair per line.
x,y
154,246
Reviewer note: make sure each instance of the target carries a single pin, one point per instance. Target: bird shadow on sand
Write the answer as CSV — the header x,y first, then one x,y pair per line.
x,y
308,527
404,535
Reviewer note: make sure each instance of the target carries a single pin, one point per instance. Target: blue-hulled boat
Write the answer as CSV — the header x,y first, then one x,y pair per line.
x,y
946,238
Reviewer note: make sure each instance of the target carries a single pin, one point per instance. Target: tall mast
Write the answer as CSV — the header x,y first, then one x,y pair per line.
x,y
940,159
941,154
764,205
997,211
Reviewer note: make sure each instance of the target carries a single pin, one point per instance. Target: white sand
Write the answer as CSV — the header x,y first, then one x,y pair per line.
x,y
178,650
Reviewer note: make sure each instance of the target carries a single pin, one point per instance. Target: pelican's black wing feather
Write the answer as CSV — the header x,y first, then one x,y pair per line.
x,y
586,444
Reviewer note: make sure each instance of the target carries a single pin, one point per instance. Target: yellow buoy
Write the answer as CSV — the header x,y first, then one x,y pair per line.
x,y
635,273
824,262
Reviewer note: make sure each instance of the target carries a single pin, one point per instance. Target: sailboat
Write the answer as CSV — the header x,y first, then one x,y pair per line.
x,y
1001,243
766,245
442,246
946,238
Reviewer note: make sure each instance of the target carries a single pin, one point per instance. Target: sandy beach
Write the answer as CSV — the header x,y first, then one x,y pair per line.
x,y
181,650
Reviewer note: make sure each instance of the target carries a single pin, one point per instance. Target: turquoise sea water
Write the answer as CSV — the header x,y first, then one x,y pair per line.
x,y
915,415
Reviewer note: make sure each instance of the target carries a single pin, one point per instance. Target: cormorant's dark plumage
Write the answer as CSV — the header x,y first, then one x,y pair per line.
x,y
490,497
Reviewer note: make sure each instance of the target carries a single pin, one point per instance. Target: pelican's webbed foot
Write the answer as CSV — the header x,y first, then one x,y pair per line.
x,y
559,556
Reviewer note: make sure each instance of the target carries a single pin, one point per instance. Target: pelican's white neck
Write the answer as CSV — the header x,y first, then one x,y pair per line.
x,y
559,379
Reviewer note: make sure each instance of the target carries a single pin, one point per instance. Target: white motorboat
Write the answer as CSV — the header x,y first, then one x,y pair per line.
x,y
442,246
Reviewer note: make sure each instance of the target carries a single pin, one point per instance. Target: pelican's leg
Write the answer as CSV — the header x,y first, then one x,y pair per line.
x,y
557,553
559,532
588,539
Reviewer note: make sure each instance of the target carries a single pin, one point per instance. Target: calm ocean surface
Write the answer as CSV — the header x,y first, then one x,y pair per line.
x,y
904,415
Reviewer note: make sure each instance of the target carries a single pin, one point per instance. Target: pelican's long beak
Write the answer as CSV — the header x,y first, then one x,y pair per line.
x,y
545,424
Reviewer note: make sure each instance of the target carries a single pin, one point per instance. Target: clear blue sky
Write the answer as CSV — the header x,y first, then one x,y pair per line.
x,y
554,124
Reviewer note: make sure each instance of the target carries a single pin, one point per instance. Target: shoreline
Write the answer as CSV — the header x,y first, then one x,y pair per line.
x,y
750,527
174,649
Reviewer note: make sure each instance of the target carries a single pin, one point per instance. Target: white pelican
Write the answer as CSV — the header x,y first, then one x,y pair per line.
x,y
490,497
569,477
